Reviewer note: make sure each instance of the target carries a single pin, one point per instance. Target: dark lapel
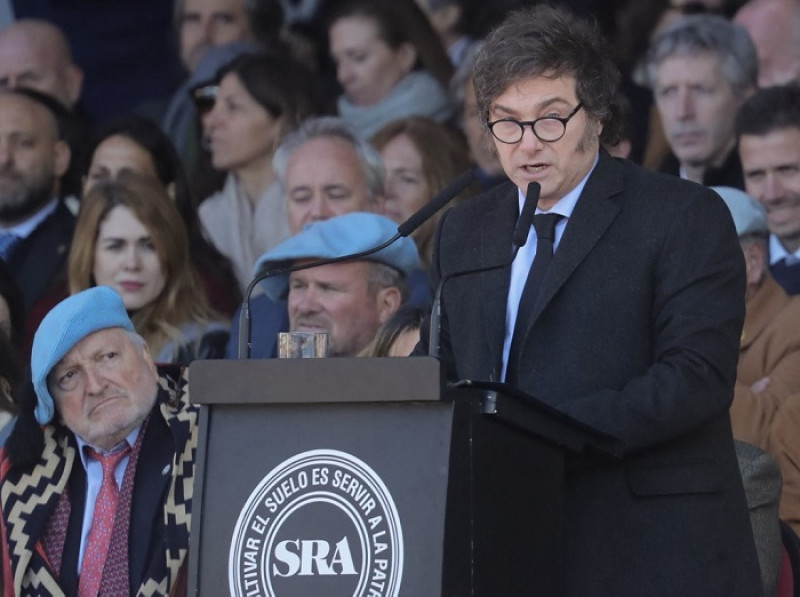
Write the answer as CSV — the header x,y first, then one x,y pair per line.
x,y
497,229
153,475
592,216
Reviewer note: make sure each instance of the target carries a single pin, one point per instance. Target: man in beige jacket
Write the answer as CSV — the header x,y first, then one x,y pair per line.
x,y
769,354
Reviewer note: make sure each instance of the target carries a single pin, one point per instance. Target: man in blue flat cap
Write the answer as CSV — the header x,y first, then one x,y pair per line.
x,y
349,300
109,451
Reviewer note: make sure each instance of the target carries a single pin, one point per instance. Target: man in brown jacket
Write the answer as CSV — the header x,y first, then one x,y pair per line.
x,y
769,354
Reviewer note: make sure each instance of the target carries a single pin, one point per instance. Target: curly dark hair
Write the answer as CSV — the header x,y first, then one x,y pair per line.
x,y
548,41
769,109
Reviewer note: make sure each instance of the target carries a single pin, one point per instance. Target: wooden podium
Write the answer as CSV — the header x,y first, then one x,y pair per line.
x,y
369,477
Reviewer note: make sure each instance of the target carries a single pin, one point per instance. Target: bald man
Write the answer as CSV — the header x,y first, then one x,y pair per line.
x,y
774,26
35,54
35,224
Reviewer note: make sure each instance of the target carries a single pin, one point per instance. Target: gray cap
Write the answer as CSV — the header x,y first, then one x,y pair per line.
x,y
748,214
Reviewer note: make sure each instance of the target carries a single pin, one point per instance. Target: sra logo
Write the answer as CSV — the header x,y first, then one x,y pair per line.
x,y
320,523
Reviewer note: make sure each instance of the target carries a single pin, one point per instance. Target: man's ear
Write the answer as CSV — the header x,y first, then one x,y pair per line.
x,y
408,56
147,356
74,80
755,260
63,155
389,300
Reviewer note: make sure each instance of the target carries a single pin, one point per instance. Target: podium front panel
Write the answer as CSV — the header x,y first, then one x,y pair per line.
x,y
323,499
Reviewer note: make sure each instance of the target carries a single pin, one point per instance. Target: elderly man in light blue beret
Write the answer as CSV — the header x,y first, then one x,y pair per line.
x,y
102,450
348,300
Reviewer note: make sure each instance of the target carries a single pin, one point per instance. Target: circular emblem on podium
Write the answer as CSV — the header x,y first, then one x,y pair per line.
x,y
320,523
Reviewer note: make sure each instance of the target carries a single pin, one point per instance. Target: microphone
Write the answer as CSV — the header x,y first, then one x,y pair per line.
x,y
403,230
518,241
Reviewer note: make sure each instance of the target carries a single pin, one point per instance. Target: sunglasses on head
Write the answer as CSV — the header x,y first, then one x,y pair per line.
x,y
204,97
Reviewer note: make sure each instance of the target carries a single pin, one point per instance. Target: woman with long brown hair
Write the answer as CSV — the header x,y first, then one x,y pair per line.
x,y
130,236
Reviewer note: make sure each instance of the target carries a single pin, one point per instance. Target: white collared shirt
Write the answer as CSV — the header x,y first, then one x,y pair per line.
x,y
777,252
24,229
524,259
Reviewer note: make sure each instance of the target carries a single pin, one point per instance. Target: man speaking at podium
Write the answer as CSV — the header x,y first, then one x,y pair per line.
x,y
631,327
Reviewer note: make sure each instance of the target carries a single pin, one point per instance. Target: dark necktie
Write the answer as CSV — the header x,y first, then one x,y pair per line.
x,y
787,275
94,557
545,225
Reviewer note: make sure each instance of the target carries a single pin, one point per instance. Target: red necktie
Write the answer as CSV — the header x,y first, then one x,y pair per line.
x,y
94,557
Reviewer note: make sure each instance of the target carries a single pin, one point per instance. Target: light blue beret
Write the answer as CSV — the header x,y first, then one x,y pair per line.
x,y
749,216
69,322
336,237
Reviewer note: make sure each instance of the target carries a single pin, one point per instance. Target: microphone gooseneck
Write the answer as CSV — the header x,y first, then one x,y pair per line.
x,y
519,239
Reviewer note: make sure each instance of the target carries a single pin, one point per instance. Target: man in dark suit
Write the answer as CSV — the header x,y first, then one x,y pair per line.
x,y
635,327
35,224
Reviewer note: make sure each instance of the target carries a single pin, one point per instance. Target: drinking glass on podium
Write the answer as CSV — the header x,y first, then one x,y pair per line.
x,y
302,345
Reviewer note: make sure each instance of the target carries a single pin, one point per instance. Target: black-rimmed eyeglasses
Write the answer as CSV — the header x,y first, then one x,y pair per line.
x,y
547,128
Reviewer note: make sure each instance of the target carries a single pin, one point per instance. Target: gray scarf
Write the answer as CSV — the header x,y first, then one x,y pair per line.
x,y
417,94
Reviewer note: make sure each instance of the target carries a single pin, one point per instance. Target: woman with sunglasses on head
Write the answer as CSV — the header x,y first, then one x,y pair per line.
x,y
137,144
260,98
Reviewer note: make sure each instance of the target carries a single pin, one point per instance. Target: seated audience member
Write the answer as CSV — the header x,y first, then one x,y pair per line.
x,y
185,125
488,170
129,236
260,98
617,135
447,17
35,54
768,132
769,353
325,169
398,335
12,312
774,27
211,33
348,300
761,478
784,445
701,69
420,157
35,223
138,145
54,465
10,377
387,68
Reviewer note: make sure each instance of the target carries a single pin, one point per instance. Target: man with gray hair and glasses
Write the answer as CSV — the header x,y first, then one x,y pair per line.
x,y
623,310
701,69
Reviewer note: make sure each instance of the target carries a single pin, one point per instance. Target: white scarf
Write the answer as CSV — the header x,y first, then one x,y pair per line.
x,y
417,94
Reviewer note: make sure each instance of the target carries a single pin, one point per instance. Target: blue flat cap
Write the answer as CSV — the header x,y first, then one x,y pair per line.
x,y
749,216
69,322
336,237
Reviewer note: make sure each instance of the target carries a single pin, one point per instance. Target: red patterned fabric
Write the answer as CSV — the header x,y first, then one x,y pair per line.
x,y
115,573
94,557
